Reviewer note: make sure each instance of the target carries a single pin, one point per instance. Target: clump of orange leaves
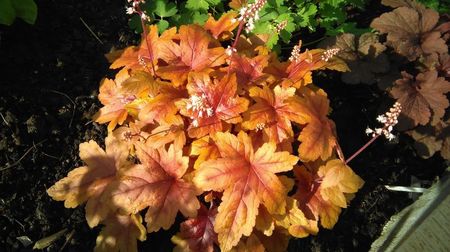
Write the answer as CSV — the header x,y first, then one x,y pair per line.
x,y
207,132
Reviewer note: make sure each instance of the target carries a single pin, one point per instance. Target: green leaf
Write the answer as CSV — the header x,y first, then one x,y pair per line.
x,y
306,16
197,5
26,10
331,16
200,4
290,27
213,2
268,14
162,25
273,40
333,3
7,12
285,36
135,23
347,28
199,18
263,28
275,3
163,8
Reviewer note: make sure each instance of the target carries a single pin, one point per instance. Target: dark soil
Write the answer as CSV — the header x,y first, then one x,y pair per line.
x,y
48,85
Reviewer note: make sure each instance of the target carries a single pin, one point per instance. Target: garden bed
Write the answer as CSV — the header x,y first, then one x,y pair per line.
x,y
50,78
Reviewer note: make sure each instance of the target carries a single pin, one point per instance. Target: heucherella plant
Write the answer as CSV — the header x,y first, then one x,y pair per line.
x,y
204,125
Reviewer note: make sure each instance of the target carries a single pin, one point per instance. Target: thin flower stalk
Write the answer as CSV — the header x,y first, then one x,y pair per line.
x,y
389,120
135,8
248,15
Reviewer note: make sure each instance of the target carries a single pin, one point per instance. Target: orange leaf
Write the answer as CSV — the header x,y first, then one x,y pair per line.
x,y
145,55
311,203
212,105
139,58
131,134
249,71
323,193
192,54
273,111
277,242
88,183
222,29
162,106
247,178
317,138
205,148
170,130
158,184
197,234
249,244
337,180
300,70
117,96
128,59
297,224
237,4
265,221
120,233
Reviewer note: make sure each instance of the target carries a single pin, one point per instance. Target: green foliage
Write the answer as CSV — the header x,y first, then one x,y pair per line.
x,y
328,14
24,9
442,6
297,15
165,13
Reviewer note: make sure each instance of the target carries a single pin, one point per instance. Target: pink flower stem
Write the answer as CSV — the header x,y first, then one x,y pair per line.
x,y
362,148
241,26
145,34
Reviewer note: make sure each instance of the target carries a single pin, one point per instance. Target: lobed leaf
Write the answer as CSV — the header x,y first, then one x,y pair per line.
x,y
197,234
158,184
317,139
120,233
247,179
193,53
421,96
322,193
89,183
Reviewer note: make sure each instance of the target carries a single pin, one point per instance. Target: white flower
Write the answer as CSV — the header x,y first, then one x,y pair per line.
x,y
129,10
195,123
389,120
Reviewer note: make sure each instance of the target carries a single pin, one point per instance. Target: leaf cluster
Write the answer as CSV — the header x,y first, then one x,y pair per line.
x,y
418,37
329,14
421,36
193,129
364,55
165,14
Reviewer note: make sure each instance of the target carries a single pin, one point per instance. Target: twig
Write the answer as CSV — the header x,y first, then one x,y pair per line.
x,y
70,99
91,31
68,239
50,156
7,124
22,157
4,120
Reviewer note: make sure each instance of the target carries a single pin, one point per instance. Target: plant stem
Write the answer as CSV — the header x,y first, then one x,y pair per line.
x,y
241,26
362,148
150,51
